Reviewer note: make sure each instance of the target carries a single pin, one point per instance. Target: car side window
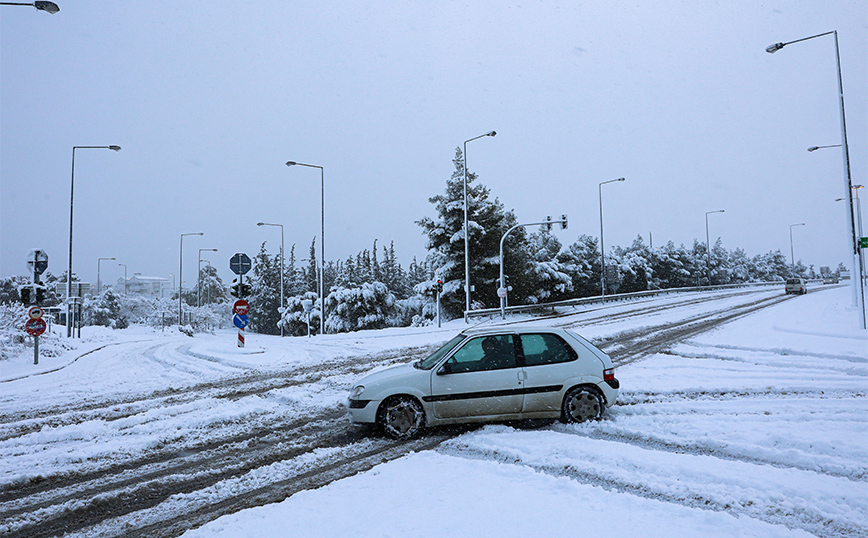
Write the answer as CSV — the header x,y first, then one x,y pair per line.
x,y
546,349
482,354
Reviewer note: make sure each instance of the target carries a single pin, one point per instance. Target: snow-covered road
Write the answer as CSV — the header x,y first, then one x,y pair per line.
x,y
148,434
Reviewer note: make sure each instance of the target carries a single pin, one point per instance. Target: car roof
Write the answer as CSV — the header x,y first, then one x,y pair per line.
x,y
510,329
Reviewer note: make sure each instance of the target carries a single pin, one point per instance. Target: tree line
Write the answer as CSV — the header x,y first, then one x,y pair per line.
x,y
372,290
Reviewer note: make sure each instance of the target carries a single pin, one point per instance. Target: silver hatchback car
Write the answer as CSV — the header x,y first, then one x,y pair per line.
x,y
492,374
796,286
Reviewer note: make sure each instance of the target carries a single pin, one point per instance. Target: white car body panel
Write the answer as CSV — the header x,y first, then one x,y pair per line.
x,y
535,391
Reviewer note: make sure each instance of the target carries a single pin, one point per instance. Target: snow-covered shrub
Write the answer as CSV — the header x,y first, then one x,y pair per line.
x,y
354,309
12,317
294,319
406,310
105,310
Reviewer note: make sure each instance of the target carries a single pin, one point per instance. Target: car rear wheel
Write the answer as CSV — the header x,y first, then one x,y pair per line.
x,y
582,404
401,417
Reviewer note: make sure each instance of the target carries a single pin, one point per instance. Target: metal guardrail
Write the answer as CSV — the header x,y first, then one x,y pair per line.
x,y
523,309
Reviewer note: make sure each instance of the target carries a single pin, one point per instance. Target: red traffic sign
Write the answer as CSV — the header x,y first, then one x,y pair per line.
x,y
34,327
35,312
241,307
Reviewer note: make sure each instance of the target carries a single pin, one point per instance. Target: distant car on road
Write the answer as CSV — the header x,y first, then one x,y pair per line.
x,y
491,374
831,279
796,286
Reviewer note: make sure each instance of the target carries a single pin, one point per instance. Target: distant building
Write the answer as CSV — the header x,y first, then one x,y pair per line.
x,y
150,286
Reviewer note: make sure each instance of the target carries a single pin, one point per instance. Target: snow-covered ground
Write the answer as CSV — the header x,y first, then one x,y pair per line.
x,y
730,434
759,428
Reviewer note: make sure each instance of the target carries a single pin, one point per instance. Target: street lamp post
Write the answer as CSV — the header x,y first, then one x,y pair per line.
x,y
321,240
282,268
466,230
125,276
602,249
199,274
708,246
210,268
98,282
856,261
792,254
181,278
48,7
71,200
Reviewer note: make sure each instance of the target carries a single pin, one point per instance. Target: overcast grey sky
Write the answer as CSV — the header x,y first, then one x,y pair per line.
x,y
210,99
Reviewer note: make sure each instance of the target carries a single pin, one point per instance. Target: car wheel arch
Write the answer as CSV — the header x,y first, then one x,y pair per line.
x,y
589,387
409,398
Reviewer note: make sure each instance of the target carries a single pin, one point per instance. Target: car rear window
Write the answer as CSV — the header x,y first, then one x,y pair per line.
x,y
546,349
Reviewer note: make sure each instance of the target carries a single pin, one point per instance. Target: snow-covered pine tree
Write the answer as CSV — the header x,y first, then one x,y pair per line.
x,y
581,261
487,222
553,283
265,293
213,289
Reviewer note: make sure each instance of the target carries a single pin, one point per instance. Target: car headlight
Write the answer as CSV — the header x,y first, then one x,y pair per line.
x,y
357,391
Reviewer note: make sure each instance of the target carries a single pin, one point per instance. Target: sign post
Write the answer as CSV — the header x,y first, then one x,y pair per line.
x,y
240,319
307,304
37,261
34,327
240,264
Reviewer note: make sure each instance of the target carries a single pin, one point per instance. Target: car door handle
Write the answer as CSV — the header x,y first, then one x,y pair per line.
x,y
522,375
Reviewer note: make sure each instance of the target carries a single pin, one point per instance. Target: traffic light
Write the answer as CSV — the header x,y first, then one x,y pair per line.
x,y
239,290
439,286
564,222
548,224
31,294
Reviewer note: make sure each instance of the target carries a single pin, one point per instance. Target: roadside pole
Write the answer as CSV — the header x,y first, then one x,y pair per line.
x,y
240,264
34,326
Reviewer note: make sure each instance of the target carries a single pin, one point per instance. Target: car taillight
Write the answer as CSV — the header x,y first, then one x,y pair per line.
x,y
609,375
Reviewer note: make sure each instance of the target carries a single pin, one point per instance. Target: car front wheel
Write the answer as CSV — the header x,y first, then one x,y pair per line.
x,y
582,404
401,417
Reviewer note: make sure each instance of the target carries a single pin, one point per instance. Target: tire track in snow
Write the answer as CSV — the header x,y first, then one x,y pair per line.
x,y
798,513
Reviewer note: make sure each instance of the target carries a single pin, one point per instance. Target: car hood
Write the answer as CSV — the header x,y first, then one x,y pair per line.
x,y
392,375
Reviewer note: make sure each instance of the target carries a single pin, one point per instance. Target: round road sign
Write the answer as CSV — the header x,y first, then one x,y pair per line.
x,y
240,320
34,327
241,307
35,312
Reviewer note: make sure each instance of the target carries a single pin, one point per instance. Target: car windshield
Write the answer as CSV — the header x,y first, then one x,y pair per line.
x,y
428,362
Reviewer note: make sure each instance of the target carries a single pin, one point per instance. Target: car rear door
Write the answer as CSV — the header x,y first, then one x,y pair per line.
x,y
549,361
467,386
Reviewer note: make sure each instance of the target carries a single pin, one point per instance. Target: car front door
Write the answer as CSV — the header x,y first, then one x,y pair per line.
x,y
474,382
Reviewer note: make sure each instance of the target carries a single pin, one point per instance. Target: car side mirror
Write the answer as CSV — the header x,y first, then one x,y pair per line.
x,y
445,369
